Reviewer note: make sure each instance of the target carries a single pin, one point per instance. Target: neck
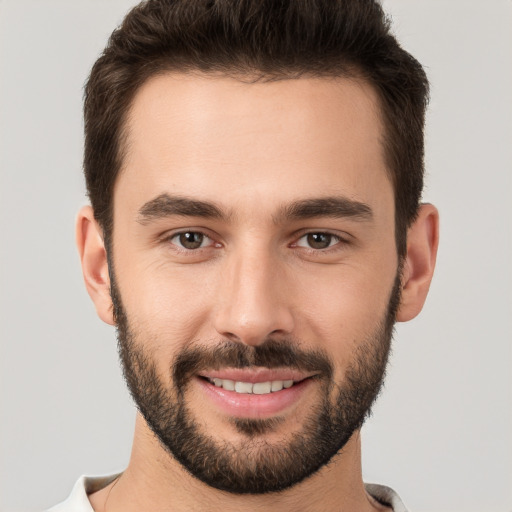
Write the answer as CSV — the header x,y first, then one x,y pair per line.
x,y
156,481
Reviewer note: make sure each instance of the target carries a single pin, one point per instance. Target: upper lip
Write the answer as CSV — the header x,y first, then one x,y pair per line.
x,y
254,375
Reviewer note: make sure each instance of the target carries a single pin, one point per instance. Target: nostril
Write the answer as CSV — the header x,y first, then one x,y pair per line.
x,y
231,337
252,322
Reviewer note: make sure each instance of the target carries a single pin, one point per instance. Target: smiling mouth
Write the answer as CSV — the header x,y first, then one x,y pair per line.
x,y
256,388
256,393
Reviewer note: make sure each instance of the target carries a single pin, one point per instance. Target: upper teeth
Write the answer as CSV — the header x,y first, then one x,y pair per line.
x,y
258,388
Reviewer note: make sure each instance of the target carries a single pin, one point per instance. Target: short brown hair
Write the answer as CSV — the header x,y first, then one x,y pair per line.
x,y
265,40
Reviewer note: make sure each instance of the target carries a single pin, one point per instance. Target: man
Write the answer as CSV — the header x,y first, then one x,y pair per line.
x,y
255,172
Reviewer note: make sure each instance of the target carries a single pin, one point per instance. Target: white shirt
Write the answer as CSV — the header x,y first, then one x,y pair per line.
x,y
78,500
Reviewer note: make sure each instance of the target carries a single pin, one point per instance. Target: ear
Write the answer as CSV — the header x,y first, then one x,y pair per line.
x,y
93,256
422,242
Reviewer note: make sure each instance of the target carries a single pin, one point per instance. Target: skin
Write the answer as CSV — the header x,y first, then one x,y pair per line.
x,y
252,149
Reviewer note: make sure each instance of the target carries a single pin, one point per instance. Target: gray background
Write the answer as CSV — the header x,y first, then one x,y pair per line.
x,y
441,432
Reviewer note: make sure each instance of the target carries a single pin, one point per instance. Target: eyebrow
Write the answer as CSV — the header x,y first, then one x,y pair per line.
x,y
333,206
166,205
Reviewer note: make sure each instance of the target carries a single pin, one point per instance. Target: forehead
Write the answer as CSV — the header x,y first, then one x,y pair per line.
x,y
223,138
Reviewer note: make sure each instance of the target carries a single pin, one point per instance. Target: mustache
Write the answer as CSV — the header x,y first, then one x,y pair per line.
x,y
271,353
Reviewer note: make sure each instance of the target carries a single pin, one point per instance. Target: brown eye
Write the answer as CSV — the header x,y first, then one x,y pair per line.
x,y
190,240
319,240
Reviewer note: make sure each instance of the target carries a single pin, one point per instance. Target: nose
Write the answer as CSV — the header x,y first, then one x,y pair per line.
x,y
254,300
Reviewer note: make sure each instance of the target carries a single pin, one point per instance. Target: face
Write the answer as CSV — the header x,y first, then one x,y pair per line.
x,y
254,272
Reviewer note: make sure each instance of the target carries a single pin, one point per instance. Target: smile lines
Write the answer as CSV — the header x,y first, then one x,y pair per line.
x,y
257,388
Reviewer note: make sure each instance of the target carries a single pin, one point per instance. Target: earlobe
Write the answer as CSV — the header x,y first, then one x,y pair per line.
x,y
93,257
422,242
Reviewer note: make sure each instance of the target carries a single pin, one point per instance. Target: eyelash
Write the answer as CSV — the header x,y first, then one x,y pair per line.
x,y
339,240
333,237
170,239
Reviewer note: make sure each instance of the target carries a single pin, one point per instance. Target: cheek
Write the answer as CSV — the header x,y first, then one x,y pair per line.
x,y
345,307
167,307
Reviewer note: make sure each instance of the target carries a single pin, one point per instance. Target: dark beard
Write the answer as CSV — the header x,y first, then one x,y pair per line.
x,y
255,466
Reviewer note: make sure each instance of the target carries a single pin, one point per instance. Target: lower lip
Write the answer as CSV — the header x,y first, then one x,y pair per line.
x,y
247,405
